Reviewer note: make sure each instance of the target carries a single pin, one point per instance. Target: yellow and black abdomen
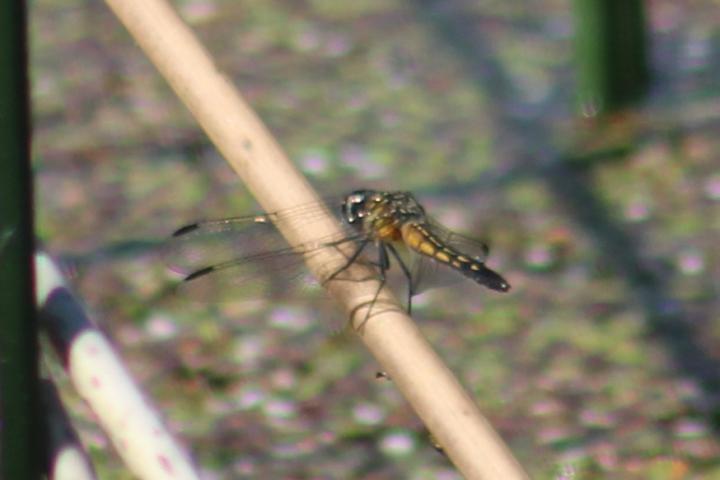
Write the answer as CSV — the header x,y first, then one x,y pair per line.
x,y
419,239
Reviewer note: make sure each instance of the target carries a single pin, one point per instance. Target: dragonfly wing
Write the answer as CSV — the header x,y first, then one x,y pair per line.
x,y
244,279
213,243
219,260
428,273
468,246
244,256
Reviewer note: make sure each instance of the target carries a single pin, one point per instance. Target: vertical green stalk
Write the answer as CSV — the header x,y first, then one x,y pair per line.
x,y
20,453
611,54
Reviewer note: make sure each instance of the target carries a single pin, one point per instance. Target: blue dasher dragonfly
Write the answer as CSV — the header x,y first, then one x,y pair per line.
x,y
381,227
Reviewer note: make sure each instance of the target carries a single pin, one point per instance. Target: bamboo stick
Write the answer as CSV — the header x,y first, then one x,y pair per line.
x,y
429,386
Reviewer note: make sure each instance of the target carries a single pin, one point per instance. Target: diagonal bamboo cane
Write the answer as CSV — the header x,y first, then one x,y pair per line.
x,y
429,386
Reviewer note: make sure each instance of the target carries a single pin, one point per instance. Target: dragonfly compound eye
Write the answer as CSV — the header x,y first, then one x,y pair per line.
x,y
353,208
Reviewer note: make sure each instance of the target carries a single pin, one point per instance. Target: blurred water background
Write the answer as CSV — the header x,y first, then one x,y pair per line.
x,y
602,362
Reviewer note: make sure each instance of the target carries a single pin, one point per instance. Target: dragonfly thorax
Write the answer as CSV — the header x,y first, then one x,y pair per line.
x,y
381,214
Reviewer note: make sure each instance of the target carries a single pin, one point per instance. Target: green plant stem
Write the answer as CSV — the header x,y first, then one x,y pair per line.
x,y
20,455
611,54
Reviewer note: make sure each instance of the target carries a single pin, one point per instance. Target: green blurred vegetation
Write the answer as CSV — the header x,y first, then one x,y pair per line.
x,y
471,106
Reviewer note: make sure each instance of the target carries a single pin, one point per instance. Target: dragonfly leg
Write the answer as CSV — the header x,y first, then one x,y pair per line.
x,y
350,260
406,272
383,266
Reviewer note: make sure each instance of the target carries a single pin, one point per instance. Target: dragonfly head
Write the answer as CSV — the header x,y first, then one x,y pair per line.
x,y
355,206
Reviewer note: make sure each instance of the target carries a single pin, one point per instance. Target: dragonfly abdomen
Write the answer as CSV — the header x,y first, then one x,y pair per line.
x,y
485,276
422,241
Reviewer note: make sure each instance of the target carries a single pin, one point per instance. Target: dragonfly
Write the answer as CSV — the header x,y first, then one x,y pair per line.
x,y
382,227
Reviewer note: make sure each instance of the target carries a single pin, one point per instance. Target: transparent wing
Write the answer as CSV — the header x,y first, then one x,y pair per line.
x,y
244,256
215,242
468,246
